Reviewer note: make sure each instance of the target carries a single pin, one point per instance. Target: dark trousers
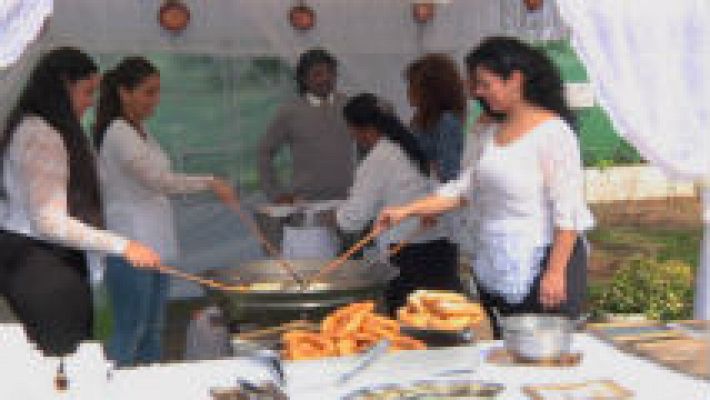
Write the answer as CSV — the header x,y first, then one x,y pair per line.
x,y
46,287
430,265
576,285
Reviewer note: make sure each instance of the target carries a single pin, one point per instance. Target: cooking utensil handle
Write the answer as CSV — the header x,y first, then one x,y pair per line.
x,y
212,284
498,318
276,367
270,248
331,266
365,360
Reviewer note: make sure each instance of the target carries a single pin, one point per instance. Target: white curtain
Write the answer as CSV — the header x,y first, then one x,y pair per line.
x,y
20,23
649,63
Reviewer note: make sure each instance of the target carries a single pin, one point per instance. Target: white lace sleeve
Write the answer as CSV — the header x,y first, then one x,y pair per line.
x,y
564,179
136,155
44,168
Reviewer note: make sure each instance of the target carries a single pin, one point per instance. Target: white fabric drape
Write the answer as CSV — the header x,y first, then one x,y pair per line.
x,y
650,67
20,23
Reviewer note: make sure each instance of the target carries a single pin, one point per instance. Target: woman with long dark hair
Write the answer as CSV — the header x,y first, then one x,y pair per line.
x,y
526,186
136,179
435,89
394,172
50,209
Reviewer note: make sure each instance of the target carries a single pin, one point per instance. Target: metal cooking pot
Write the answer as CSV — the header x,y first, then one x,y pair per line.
x,y
537,337
355,280
274,218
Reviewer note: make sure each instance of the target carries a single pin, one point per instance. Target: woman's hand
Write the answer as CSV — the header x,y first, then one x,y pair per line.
x,y
389,217
428,221
553,290
224,191
141,256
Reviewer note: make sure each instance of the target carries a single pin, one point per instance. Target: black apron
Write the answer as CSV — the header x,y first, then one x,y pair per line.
x,y
46,286
576,288
430,265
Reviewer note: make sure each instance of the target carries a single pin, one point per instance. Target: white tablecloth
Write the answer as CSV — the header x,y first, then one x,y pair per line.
x,y
26,375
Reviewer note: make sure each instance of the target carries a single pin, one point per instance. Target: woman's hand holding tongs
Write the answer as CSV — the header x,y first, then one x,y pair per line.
x,y
389,217
225,192
141,256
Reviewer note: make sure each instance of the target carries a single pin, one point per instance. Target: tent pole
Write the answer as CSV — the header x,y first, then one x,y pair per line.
x,y
702,276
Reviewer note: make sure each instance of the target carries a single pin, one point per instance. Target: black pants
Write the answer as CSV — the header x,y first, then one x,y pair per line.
x,y
430,265
47,288
576,289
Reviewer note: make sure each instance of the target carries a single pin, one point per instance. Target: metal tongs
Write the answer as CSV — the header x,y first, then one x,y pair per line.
x,y
270,248
264,356
365,360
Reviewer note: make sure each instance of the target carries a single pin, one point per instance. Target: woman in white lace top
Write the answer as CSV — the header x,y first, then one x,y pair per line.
x,y
136,179
49,207
525,185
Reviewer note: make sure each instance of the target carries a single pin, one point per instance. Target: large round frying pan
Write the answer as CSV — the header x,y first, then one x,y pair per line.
x,y
353,281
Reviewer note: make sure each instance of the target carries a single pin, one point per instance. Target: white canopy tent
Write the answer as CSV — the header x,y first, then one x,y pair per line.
x,y
625,46
373,39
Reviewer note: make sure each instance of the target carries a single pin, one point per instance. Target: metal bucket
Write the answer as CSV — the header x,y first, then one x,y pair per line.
x,y
274,218
537,337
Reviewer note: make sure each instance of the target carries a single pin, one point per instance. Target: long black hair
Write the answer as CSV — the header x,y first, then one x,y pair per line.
x,y
367,111
46,95
542,82
307,60
128,74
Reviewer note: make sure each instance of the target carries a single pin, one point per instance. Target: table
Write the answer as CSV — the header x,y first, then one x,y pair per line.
x,y
26,375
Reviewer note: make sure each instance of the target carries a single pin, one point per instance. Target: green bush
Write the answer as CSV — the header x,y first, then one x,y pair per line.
x,y
660,289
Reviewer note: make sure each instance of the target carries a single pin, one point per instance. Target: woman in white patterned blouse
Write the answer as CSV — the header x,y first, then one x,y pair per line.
x,y
525,185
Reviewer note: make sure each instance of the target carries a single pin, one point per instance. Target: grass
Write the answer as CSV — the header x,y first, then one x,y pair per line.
x,y
103,315
663,244
614,246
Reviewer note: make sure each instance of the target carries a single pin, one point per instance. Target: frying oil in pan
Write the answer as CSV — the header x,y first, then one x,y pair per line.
x,y
284,286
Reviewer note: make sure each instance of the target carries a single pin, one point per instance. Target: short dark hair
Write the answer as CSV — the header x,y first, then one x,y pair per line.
x,y
307,60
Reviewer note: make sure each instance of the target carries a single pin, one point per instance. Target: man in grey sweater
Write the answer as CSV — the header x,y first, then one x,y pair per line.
x,y
312,126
